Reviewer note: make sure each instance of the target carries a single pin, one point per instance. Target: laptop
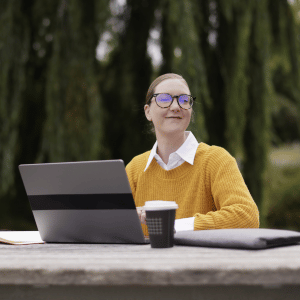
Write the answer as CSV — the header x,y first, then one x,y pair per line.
x,y
82,202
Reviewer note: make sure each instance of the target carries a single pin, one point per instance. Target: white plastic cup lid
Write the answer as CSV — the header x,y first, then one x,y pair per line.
x,y
160,205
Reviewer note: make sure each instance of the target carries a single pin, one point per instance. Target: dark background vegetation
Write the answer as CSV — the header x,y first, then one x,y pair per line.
x,y
74,75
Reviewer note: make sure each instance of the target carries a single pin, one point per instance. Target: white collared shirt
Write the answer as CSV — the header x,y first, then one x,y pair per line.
x,y
186,152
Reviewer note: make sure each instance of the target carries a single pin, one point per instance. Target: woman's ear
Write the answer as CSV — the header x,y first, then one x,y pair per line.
x,y
147,112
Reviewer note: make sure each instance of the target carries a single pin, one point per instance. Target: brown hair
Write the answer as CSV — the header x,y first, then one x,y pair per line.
x,y
158,80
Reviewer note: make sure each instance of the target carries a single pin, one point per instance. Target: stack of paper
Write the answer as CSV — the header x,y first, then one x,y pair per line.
x,y
20,237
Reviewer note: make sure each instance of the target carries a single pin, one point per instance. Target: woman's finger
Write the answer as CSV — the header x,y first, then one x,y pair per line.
x,y
143,217
141,214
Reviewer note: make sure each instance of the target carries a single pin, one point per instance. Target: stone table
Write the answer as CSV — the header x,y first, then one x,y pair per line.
x,y
102,271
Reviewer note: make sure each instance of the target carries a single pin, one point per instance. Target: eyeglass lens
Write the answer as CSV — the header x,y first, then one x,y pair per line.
x,y
164,100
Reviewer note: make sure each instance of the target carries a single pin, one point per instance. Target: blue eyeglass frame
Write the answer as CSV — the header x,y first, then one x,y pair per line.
x,y
177,98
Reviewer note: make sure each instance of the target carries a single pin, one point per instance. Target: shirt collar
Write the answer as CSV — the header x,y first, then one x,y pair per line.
x,y
187,150
151,156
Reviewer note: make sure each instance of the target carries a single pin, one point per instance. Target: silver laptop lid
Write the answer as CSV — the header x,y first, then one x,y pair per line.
x,y
87,201
87,177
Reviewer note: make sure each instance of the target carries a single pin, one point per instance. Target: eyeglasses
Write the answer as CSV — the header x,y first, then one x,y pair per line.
x,y
166,100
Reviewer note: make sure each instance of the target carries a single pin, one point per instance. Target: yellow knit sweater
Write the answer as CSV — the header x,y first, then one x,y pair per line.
x,y
212,190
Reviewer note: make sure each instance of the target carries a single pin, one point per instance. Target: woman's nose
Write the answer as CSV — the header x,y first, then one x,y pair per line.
x,y
174,106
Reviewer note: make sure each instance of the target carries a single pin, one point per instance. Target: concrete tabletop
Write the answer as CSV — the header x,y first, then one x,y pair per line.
x,y
109,265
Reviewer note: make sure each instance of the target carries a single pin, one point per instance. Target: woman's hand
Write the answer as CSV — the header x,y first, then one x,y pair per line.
x,y
141,213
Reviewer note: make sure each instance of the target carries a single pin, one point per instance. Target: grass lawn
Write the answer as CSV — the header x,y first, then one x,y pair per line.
x,y
286,155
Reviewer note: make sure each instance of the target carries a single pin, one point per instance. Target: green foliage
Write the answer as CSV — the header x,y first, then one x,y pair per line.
x,y
58,103
49,94
14,54
283,207
285,120
236,21
256,138
182,54
73,126
284,65
125,81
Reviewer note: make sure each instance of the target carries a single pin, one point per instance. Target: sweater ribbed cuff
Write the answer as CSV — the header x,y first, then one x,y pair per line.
x,y
204,222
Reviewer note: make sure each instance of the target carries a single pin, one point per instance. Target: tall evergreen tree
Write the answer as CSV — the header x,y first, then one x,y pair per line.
x,y
235,18
73,128
125,84
49,96
182,54
206,16
14,54
256,136
285,68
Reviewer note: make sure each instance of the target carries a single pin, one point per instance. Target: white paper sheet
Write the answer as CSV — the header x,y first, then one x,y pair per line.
x,y
20,237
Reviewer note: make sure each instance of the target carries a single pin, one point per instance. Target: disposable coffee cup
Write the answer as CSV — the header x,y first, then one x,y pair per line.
x,y
160,219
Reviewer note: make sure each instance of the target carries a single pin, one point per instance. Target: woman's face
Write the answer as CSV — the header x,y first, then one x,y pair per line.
x,y
173,119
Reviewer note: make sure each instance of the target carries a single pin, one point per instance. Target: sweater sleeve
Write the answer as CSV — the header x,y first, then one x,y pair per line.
x,y
233,201
134,168
131,174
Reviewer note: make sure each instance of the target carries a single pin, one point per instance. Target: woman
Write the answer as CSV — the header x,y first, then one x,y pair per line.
x,y
204,180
